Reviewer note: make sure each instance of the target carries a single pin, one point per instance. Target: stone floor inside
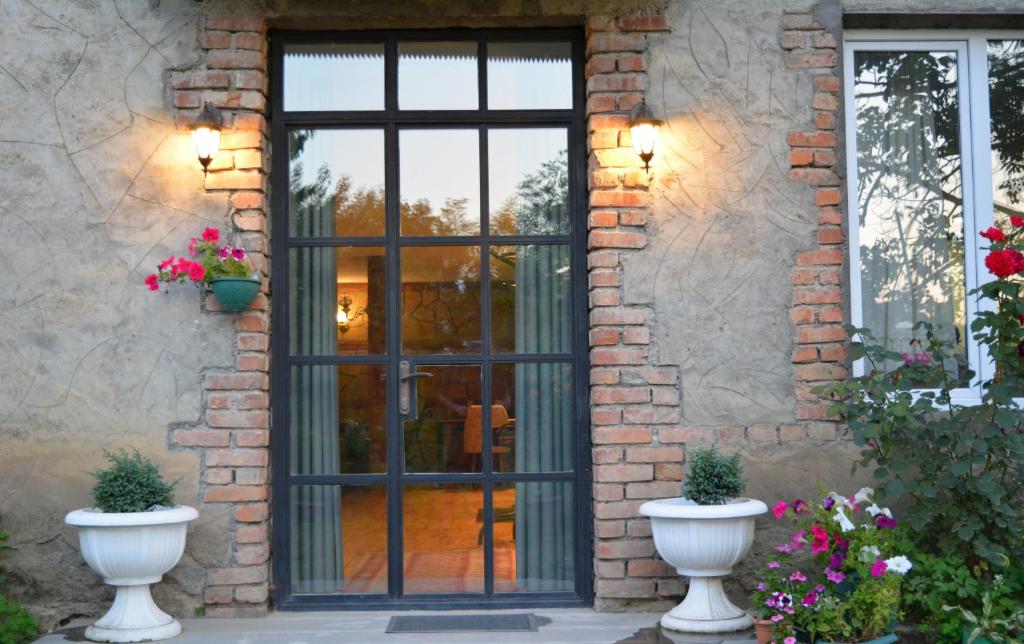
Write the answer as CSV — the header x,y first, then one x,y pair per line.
x,y
556,626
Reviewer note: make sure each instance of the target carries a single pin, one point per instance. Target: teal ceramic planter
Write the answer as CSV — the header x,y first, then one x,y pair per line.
x,y
235,293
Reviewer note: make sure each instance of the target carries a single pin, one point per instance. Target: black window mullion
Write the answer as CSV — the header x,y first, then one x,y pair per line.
x,y
393,277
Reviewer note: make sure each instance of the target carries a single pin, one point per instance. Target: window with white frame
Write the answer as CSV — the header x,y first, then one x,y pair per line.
x,y
935,154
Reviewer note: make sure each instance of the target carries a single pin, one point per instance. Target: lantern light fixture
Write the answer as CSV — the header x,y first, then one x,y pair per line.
x,y
643,130
206,134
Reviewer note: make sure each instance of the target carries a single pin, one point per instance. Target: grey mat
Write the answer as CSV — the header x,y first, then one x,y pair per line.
x,y
462,623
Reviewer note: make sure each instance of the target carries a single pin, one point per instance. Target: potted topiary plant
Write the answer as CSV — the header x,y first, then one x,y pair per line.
x,y
133,535
704,535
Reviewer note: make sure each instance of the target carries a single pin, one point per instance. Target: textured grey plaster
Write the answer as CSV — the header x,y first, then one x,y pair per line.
x,y
727,219
95,189
933,6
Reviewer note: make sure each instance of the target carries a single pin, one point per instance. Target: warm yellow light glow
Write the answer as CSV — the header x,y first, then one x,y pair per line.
x,y
342,317
645,139
207,142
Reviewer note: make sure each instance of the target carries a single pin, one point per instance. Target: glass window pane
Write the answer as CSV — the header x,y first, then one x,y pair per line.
x,y
440,299
445,435
531,304
534,537
440,182
910,205
444,551
437,76
336,183
334,76
337,539
337,300
1006,110
529,75
338,419
528,179
532,417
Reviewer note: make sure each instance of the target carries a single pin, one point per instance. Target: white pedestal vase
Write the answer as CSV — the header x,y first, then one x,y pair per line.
x,y
132,550
704,542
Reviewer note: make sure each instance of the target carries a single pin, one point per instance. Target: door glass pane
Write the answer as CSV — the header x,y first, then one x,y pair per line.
x,y
528,179
440,182
910,203
337,300
334,76
338,419
440,295
445,434
443,528
529,75
337,539
532,417
437,76
531,299
336,183
534,537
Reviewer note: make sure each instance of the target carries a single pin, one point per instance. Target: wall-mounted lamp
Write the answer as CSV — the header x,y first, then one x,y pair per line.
x,y
206,134
643,130
345,315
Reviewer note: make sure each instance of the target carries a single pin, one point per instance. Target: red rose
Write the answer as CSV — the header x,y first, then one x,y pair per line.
x,y
992,233
1018,222
1005,262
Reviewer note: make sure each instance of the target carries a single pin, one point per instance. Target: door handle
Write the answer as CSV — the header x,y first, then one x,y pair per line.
x,y
406,387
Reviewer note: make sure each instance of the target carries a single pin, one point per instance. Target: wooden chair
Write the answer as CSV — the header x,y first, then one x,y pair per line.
x,y
472,435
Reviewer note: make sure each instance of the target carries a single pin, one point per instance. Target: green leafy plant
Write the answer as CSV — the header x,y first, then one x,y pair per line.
x,y
17,626
214,261
132,484
714,479
995,622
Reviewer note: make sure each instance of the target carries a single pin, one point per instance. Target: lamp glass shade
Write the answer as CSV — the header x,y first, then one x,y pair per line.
x,y
342,317
206,141
645,138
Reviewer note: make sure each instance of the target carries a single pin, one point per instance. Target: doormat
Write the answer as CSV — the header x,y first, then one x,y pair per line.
x,y
462,623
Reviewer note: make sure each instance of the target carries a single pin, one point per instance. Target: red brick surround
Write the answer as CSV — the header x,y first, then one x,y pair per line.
x,y
234,431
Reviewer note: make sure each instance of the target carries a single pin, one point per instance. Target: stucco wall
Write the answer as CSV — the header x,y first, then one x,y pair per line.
x,y
95,188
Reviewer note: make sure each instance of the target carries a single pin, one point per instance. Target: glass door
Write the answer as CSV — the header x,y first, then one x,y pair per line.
x,y
430,438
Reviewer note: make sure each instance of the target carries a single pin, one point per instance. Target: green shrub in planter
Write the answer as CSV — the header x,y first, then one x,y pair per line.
x,y
714,479
132,484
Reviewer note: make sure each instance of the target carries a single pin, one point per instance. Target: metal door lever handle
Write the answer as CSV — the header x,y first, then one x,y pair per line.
x,y
406,380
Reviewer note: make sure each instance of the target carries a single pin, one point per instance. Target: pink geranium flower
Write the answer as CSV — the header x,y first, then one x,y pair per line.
x,y
879,567
780,509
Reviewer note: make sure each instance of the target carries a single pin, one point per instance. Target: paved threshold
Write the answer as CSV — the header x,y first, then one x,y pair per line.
x,y
556,626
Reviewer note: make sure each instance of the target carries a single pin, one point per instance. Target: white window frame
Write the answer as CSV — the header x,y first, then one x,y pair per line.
x,y
971,47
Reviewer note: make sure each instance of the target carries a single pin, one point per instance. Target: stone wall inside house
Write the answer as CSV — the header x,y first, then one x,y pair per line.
x,y
716,281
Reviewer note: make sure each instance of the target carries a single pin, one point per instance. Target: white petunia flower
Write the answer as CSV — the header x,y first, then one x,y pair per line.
x,y
863,495
873,510
869,553
899,564
840,500
843,521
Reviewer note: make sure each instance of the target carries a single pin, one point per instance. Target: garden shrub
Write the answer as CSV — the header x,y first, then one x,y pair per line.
x,y
132,484
714,479
17,626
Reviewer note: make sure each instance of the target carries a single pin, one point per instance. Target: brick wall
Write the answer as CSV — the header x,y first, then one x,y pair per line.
x,y
234,430
634,404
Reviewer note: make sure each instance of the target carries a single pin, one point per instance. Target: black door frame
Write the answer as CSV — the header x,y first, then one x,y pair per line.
x,y
390,119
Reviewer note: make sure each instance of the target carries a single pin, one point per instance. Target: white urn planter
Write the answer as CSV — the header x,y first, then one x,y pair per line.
x,y
132,550
704,542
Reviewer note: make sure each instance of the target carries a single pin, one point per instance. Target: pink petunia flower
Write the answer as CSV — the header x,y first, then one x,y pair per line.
x,y
211,235
192,247
196,272
800,506
834,576
789,640
153,282
777,618
797,541
224,254
797,576
238,253
879,567
164,265
809,599
773,564
761,587
820,543
780,509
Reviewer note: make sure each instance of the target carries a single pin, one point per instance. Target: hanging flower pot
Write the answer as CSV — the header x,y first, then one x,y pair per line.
x,y
225,269
235,293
